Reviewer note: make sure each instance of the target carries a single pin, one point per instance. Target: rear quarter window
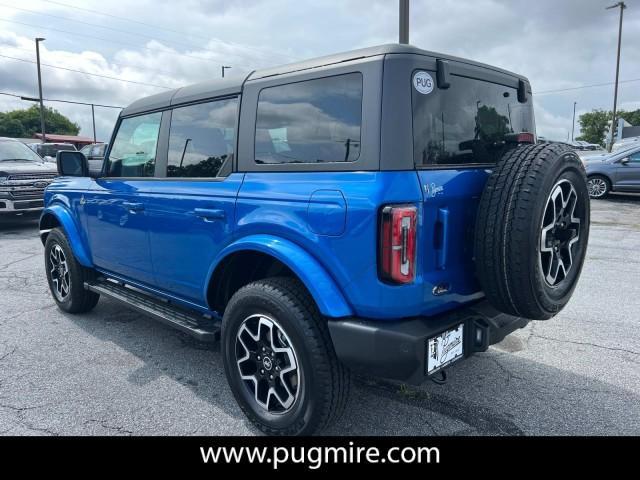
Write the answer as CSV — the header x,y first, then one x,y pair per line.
x,y
313,121
468,123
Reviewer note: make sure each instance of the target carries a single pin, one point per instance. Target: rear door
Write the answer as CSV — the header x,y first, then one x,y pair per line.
x,y
459,133
191,210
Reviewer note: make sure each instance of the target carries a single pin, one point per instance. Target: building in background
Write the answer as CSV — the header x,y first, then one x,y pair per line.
x,y
76,140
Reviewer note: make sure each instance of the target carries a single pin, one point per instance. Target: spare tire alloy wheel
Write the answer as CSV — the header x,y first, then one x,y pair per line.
x,y
59,270
559,233
267,363
532,230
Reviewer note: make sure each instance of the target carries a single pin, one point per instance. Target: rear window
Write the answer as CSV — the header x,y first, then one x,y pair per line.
x,y
52,150
314,121
467,123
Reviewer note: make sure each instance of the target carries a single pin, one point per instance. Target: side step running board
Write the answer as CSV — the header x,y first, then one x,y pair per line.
x,y
200,327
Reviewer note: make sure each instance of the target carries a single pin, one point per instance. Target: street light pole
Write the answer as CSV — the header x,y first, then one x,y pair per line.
x,y
93,117
615,94
38,40
573,125
223,69
403,26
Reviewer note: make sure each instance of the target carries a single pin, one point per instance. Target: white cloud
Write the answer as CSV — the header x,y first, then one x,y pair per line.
x,y
556,44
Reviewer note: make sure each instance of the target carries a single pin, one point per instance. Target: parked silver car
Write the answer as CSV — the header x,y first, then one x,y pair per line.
x,y
616,172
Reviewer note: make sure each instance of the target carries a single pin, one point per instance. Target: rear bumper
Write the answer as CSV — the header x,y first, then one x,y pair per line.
x,y
19,206
398,349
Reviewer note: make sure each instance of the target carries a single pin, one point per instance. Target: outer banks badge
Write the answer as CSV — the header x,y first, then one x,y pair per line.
x,y
423,82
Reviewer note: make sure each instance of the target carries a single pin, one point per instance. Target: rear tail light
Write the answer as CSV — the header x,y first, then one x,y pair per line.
x,y
398,243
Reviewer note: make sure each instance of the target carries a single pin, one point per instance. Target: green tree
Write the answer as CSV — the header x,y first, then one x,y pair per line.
x,y
594,126
633,117
10,127
29,121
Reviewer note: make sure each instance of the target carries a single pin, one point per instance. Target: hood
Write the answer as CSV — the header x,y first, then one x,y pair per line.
x,y
11,168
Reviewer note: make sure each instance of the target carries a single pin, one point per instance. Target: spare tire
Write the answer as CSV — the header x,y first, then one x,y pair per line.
x,y
532,230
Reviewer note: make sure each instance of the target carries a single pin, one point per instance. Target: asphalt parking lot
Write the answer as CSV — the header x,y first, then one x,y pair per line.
x,y
114,372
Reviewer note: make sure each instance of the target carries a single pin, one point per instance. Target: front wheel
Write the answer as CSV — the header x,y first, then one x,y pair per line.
x,y
279,359
66,276
598,186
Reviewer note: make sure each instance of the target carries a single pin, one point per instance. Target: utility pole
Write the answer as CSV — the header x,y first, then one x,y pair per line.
x,y
615,94
403,26
573,125
38,40
93,117
223,69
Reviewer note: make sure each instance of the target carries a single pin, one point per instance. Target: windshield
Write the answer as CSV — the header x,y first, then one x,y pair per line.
x,y
51,150
12,151
467,123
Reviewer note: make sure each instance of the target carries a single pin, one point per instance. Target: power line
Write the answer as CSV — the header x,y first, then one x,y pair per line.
x,y
586,86
88,73
125,65
26,97
157,27
109,40
128,32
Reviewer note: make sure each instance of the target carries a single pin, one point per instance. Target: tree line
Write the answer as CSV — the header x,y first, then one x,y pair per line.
x,y
25,122
594,125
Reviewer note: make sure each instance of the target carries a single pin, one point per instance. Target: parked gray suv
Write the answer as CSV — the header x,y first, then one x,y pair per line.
x,y
618,172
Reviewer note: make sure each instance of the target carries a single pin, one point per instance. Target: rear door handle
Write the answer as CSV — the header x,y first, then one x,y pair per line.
x,y
133,207
209,214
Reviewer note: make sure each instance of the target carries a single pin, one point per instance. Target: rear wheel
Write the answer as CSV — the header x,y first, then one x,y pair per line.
x,y
279,359
598,186
532,230
66,276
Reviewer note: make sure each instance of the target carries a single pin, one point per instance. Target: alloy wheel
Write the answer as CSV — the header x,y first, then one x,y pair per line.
x,y
267,363
560,233
597,187
59,270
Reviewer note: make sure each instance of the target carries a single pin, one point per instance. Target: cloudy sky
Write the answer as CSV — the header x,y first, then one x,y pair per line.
x,y
137,48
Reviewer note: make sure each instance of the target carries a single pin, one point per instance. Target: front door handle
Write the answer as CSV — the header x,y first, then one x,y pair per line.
x,y
209,214
133,207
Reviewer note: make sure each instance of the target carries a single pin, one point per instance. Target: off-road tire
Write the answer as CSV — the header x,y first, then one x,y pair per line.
x,y
508,230
78,299
324,382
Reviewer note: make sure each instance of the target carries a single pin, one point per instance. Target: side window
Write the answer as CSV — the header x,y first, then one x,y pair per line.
x,y
96,150
202,138
134,149
635,157
314,121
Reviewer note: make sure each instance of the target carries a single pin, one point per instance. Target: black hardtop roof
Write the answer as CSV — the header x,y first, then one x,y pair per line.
x,y
233,85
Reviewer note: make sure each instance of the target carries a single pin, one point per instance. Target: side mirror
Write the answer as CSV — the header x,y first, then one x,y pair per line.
x,y
624,161
72,164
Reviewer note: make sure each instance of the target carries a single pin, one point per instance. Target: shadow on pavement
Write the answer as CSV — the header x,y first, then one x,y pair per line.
x,y
493,393
19,224
621,198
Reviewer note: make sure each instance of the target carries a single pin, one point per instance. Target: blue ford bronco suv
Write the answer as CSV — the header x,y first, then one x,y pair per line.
x,y
385,211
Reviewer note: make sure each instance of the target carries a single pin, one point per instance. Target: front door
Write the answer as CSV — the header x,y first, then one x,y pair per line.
x,y
116,205
192,211
628,174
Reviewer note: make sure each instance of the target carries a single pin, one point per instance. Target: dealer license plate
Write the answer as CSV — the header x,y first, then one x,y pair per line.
x,y
444,349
